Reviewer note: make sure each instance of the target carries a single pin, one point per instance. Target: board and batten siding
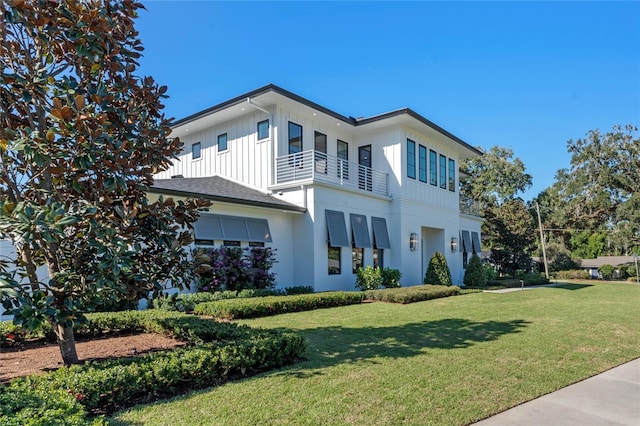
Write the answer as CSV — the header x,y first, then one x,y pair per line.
x,y
246,159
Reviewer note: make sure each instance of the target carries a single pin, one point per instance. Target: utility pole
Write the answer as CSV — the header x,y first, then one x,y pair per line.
x,y
544,252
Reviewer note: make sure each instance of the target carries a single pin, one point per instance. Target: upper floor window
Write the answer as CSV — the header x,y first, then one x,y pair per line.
x,y
263,129
452,175
411,159
222,142
443,171
433,167
422,163
343,158
196,150
295,138
320,142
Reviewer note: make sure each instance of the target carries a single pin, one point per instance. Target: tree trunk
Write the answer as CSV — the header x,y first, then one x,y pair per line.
x,y
67,343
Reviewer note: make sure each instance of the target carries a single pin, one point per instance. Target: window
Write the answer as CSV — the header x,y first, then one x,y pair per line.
x,y
229,243
335,265
256,244
365,177
357,258
411,159
343,159
466,248
422,163
378,257
336,229
195,150
359,231
231,228
222,142
320,154
380,233
443,171
452,175
295,138
433,167
263,129
203,242
475,239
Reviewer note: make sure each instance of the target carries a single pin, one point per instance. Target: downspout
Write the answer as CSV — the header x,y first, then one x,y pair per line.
x,y
271,141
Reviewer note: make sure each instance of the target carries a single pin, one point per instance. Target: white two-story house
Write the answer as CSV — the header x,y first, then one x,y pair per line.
x,y
329,192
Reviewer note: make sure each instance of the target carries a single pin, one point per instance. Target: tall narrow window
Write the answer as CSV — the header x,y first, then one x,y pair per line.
x,y
378,257
357,258
295,138
195,150
365,177
411,159
422,163
433,167
443,171
320,154
452,175
222,142
263,129
335,266
343,160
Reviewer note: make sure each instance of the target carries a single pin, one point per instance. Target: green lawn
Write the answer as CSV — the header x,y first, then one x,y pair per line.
x,y
443,362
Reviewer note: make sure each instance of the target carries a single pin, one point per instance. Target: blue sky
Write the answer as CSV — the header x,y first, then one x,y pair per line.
x,y
526,75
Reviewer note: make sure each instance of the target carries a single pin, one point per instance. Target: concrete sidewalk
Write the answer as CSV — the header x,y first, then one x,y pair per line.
x,y
610,398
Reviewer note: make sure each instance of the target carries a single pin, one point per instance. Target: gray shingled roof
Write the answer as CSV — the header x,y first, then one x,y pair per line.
x,y
216,188
606,260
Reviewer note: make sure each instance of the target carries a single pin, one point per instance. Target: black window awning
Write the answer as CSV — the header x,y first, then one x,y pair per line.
x,y
475,237
380,233
233,228
360,230
466,242
336,229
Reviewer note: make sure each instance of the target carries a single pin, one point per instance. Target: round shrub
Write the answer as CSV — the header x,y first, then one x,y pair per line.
x,y
475,275
606,271
438,271
368,278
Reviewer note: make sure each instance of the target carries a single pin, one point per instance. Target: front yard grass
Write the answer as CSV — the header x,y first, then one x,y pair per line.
x,y
447,361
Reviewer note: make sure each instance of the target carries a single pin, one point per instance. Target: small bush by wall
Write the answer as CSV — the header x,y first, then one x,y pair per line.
x,y
266,306
438,272
412,294
368,278
475,275
390,277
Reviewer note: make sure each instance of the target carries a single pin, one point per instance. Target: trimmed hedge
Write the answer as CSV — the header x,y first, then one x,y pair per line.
x,y
185,302
412,294
219,351
266,306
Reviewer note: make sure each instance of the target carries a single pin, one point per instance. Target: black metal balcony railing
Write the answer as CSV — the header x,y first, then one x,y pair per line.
x,y
319,167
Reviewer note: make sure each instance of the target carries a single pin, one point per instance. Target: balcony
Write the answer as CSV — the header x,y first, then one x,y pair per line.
x,y
315,166
470,207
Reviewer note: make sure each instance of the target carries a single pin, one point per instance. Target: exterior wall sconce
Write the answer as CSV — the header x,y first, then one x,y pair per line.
x,y
454,244
413,241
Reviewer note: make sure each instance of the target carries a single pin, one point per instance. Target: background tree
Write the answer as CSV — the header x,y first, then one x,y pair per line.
x,y
438,272
513,236
495,179
598,193
80,139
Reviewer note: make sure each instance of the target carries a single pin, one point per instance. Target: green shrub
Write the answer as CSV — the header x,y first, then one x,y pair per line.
x,y
606,271
390,277
573,274
299,289
438,272
474,275
267,306
368,278
490,272
184,302
219,350
22,404
412,294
